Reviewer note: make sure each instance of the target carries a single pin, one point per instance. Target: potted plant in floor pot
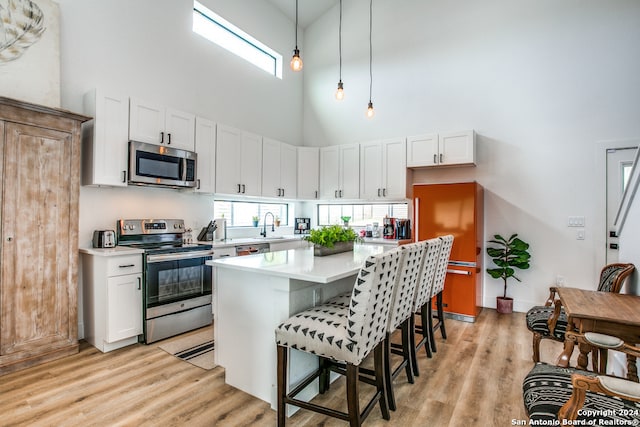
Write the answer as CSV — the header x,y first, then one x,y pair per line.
x,y
332,239
507,255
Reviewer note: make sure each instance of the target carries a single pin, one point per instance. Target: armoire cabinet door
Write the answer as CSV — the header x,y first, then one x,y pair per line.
x,y
37,293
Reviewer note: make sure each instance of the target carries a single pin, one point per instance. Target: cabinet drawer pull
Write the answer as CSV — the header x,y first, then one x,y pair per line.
x,y
161,137
127,265
435,159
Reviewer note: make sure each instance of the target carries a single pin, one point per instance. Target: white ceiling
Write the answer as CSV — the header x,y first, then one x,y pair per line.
x,y
308,10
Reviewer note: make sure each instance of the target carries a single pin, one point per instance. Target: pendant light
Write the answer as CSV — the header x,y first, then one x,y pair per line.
x,y
340,90
370,110
296,61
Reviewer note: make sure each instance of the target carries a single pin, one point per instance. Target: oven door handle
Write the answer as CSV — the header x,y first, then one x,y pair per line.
x,y
178,256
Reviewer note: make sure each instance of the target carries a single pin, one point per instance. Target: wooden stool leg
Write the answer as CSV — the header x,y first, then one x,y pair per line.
x,y
443,331
432,338
412,345
536,347
387,372
406,349
378,361
282,385
353,395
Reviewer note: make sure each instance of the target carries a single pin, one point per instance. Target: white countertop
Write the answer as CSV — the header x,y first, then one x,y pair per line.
x,y
117,251
301,264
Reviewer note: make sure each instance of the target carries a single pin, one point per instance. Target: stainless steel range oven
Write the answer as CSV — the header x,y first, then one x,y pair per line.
x,y
177,282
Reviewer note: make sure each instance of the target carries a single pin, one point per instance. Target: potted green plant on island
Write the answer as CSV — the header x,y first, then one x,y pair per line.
x,y
331,239
507,255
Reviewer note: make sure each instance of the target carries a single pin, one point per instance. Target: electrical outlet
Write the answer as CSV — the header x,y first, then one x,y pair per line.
x,y
580,234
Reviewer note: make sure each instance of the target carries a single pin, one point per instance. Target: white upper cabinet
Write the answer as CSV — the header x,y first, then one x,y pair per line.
x,y
308,173
238,162
340,172
444,149
105,139
206,149
383,169
156,124
279,166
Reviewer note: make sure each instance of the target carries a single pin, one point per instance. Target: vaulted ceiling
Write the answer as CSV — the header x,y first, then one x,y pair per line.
x,y
308,10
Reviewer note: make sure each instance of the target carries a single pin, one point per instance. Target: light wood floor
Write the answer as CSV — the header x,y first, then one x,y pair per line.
x,y
475,378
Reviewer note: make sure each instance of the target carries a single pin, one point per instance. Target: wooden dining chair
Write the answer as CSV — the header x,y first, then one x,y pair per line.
x,y
554,395
544,324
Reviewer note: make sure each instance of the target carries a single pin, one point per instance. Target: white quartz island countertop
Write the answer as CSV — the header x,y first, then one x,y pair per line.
x,y
301,264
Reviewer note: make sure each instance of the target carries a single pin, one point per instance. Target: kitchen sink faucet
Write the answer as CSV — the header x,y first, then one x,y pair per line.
x,y
263,233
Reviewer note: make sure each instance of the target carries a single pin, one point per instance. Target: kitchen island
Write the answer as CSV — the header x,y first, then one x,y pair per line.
x,y
254,294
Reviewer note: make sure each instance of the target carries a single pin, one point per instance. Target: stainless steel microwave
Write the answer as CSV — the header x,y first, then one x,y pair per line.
x,y
159,165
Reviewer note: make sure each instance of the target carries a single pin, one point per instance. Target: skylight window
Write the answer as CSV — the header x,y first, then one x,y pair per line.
x,y
223,33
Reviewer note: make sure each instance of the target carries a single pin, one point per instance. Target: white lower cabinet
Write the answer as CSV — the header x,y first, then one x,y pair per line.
x,y
112,294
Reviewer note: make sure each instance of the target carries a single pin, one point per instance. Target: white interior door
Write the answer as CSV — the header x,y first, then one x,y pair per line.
x,y
619,164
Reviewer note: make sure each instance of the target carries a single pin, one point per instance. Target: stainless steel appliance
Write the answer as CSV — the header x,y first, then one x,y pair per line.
x,y
403,229
159,165
388,228
177,284
104,239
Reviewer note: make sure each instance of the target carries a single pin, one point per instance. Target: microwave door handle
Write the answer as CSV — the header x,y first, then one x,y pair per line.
x,y
183,169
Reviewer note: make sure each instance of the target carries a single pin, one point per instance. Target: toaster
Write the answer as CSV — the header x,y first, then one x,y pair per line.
x,y
104,239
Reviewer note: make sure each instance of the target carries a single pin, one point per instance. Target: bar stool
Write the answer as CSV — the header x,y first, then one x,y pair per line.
x,y
422,301
436,291
401,314
345,335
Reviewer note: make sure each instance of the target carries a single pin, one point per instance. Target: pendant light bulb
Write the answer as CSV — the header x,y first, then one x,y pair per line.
x,y
340,92
370,111
296,61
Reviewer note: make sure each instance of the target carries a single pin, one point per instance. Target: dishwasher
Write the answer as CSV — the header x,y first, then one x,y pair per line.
x,y
257,248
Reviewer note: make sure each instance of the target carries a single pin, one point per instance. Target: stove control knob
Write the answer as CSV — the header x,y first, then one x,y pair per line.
x,y
175,225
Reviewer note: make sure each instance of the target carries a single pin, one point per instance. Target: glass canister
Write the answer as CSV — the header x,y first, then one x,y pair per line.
x,y
375,232
369,232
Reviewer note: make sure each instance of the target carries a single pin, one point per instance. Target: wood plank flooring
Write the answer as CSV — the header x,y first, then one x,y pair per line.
x,y
475,378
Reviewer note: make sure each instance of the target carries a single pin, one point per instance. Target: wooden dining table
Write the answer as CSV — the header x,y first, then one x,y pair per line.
x,y
601,312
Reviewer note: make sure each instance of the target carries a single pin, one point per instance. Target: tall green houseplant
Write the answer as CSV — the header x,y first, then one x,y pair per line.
x,y
508,254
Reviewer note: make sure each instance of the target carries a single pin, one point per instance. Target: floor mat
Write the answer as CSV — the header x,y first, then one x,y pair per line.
x,y
196,348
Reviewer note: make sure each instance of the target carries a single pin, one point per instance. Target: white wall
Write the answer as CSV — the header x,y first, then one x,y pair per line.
x,y
541,82
146,48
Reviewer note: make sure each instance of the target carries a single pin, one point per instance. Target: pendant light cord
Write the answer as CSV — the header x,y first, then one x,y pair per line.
x,y
370,48
340,41
296,24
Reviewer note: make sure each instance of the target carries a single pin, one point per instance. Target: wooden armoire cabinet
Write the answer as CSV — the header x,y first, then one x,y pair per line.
x,y
40,175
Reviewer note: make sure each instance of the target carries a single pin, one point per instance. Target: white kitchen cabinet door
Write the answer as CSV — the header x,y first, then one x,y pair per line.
x,y
251,164
156,124
228,145
349,171
394,169
329,168
288,171
383,169
444,149
179,128
105,141
457,148
146,121
308,173
206,149
371,170
422,150
271,164
124,302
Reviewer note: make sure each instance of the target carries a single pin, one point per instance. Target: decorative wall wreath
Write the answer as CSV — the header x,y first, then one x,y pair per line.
x,y
21,25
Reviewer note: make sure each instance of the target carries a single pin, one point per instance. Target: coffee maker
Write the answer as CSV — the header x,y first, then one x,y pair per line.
x,y
403,229
388,228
